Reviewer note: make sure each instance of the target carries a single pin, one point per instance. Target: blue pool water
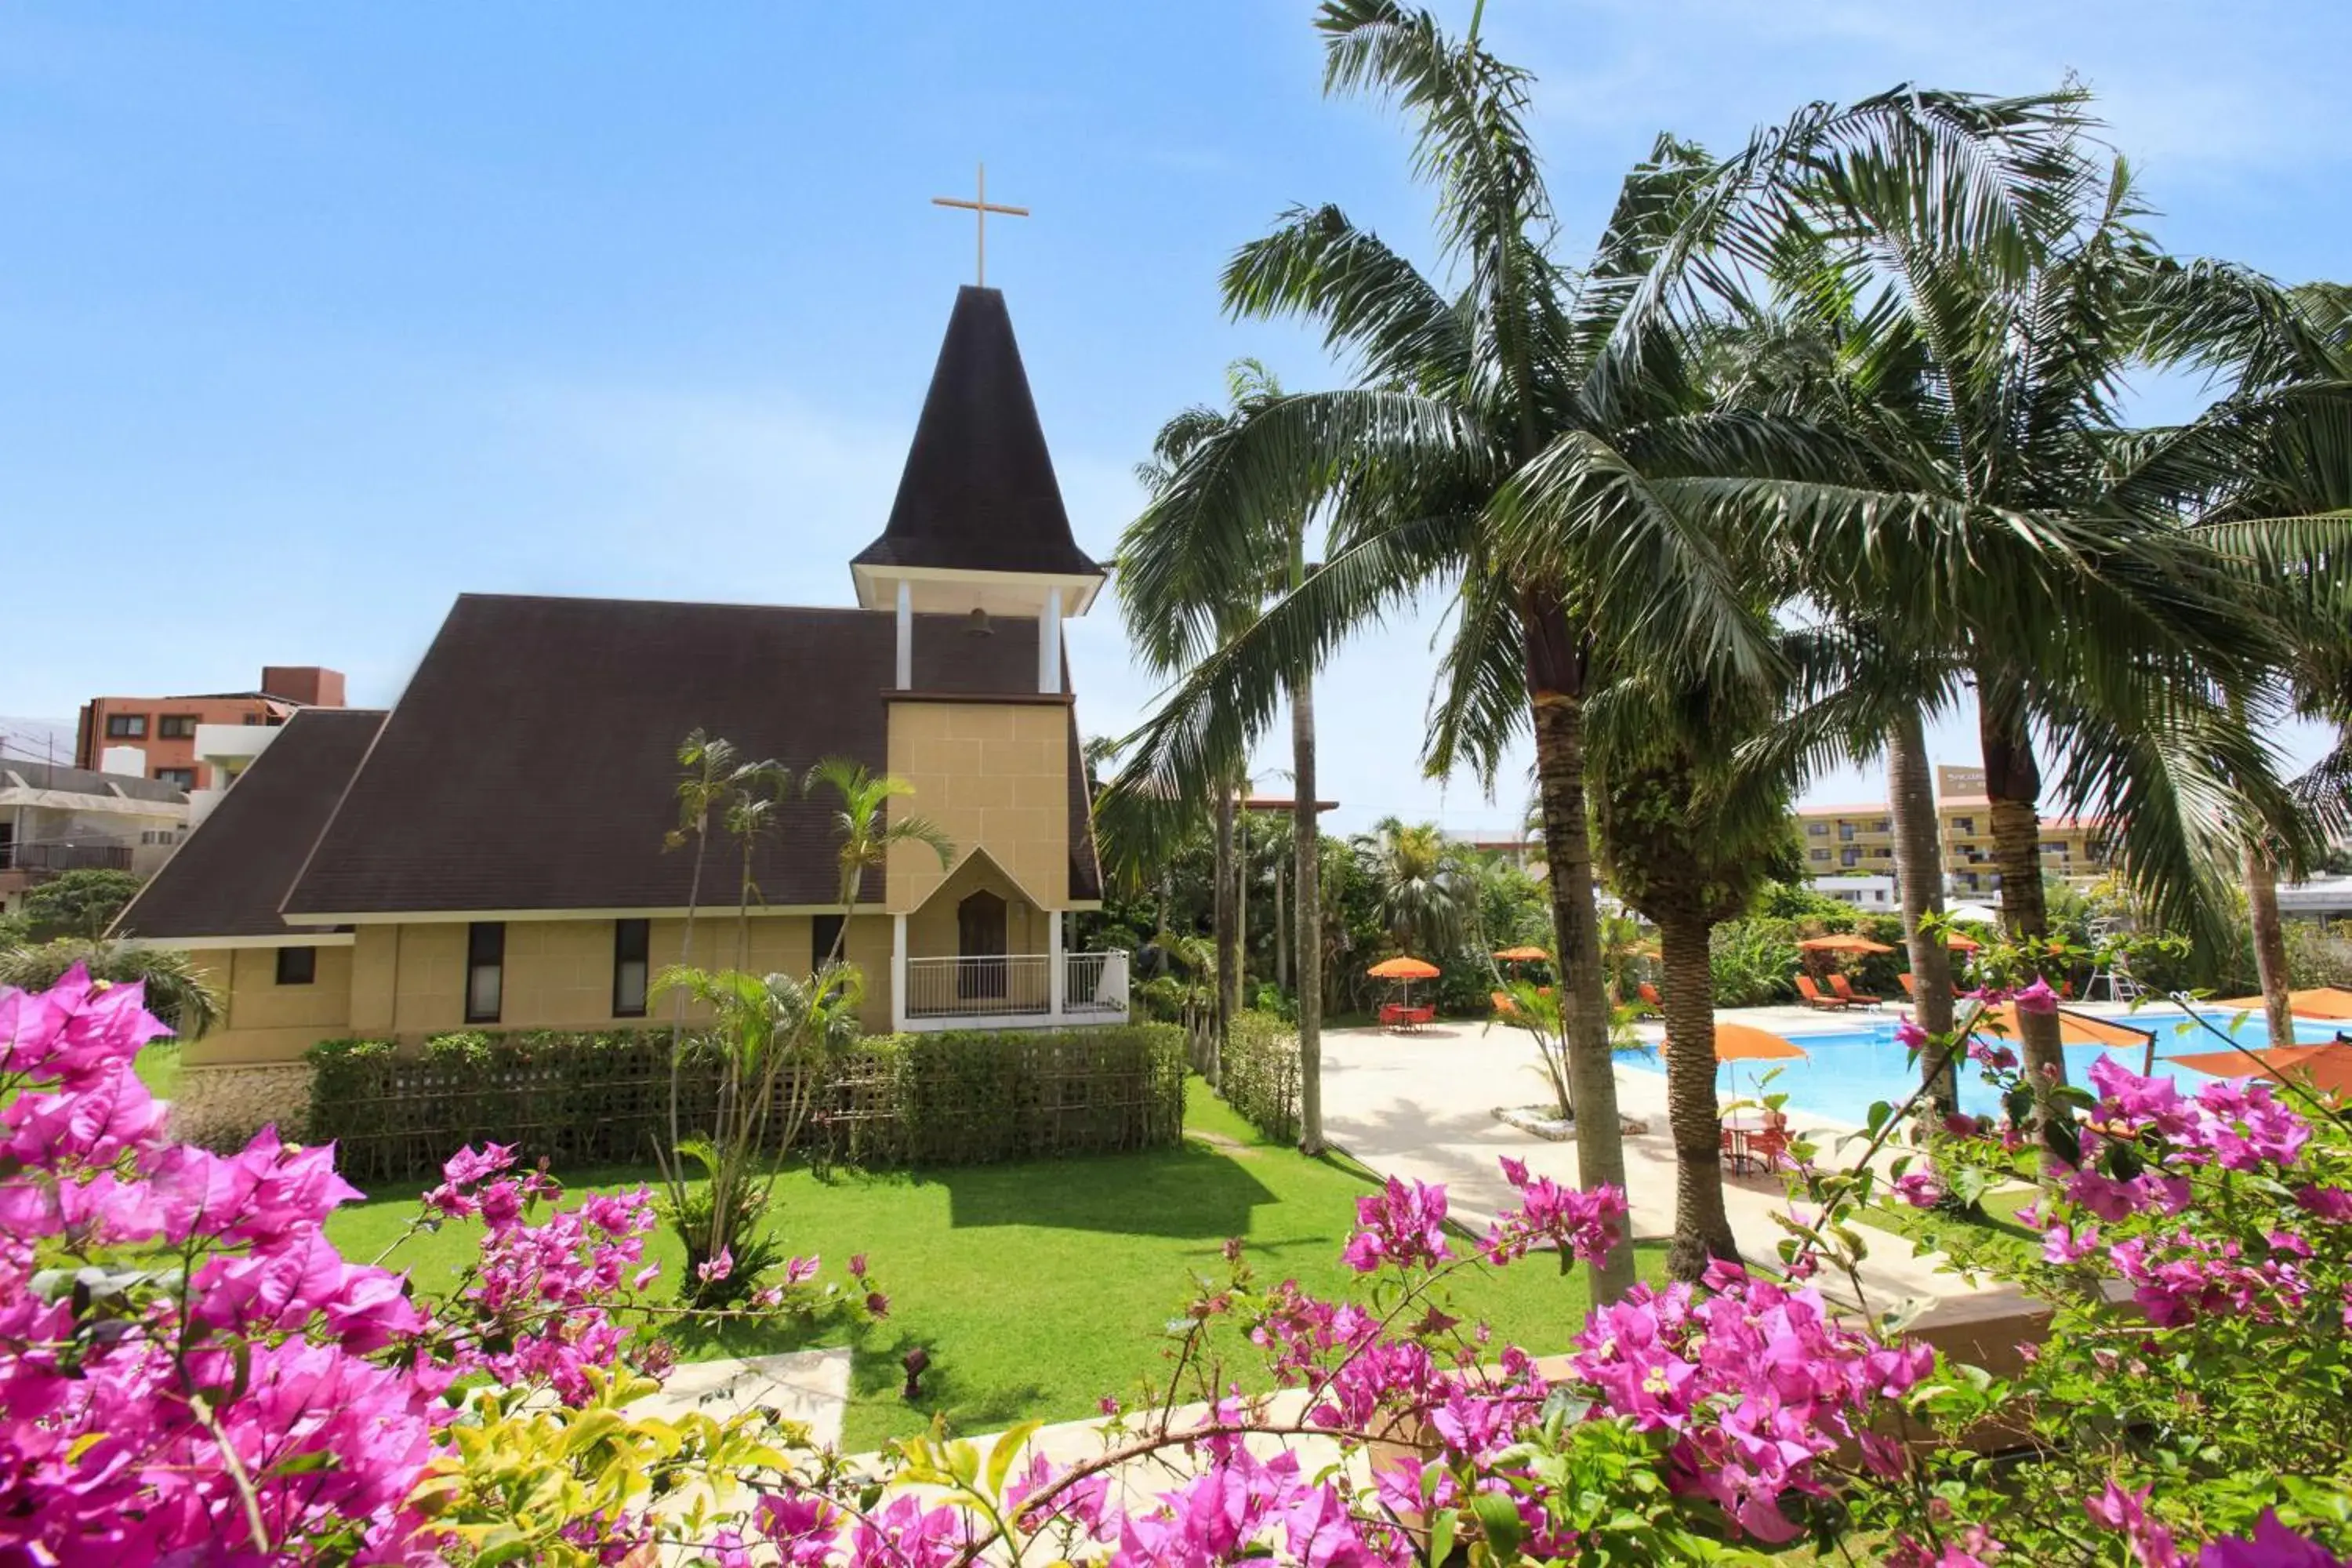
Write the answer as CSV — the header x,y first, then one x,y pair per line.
x,y
1847,1069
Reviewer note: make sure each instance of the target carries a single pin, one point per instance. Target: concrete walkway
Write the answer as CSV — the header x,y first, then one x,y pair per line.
x,y
1420,1106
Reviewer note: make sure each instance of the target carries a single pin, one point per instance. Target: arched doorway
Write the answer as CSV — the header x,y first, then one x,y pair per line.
x,y
979,943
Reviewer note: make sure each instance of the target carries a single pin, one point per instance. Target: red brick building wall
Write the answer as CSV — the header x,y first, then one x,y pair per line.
x,y
164,728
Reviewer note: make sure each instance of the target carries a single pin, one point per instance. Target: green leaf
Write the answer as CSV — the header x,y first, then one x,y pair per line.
x,y
1441,1534
1498,1520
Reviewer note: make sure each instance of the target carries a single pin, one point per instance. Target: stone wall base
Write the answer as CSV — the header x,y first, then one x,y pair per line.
x,y
223,1106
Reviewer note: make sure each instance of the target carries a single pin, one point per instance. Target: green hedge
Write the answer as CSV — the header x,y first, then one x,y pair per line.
x,y
1261,1074
579,1099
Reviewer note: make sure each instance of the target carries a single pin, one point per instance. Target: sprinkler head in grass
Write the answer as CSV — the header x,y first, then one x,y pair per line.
x,y
916,1362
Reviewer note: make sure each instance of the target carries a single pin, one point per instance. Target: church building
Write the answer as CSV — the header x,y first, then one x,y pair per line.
x,y
490,852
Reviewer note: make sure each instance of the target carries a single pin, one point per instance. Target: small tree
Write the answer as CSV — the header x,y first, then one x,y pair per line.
x,y
79,904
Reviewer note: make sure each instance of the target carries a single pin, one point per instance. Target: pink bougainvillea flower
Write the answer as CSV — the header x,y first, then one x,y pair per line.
x,y
1401,1226
1920,1189
2037,997
2272,1545
2332,1205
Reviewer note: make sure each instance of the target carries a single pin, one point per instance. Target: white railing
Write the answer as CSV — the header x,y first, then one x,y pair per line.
x,y
977,988
1095,984
1018,985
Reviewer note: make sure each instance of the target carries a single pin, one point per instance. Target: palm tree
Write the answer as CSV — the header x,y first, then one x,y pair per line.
x,y
177,991
1533,382
754,801
1418,882
866,830
1159,591
1996,514
2285,357
707,762
774,1034
1690,830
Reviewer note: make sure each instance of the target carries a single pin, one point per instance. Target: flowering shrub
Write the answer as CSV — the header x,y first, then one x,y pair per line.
x,y
190,1372
2196,1381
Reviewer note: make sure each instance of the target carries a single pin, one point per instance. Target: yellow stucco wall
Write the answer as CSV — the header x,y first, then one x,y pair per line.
x,y
264,1021
991,775
408,982
932,932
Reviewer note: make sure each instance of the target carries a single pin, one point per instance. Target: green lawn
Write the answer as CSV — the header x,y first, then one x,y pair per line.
x,y
1985,1241
1037,1288
158,1067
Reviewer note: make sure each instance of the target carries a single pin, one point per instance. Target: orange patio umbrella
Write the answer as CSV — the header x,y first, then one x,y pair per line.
x,y
1844,941
2325,1001
1405,969
2073,1028
1744,1043
1522,954
2327,1068
1959,943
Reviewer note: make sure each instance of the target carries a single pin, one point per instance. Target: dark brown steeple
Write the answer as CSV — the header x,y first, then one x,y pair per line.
x,y
978,493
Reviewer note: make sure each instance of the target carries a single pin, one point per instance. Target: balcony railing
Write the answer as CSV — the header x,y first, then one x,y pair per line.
x,y
36,856
1016,985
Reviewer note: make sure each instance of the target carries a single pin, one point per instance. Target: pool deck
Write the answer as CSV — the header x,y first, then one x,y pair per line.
x,y
1420,1106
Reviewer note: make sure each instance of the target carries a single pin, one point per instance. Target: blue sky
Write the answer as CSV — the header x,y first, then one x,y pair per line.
x,y
314,317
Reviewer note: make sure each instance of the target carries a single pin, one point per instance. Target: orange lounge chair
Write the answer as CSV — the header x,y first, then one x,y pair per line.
x,y
1504,1008
1844,987
1650,1003
1813,997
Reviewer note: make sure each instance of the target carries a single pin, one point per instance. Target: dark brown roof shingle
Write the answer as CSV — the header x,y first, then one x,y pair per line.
x,y
228,876
531,763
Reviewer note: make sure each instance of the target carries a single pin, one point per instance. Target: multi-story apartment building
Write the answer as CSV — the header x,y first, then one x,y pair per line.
x,y
1847,840
2074,849
155,737
1839,839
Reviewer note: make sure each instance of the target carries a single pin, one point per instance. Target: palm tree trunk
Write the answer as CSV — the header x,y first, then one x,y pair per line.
x,y
2270,943
1555,667
2013,793
1701,1230
1229,979
1307,911
1919,869
1241,901
1281,928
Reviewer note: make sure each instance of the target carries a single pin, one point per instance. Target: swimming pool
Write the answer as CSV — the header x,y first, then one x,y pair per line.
x,y
1846,1070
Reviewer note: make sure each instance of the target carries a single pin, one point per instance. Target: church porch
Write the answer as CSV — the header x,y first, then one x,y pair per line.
x,y
980,953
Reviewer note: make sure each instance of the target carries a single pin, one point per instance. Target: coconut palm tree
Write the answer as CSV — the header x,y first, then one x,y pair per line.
x,y
1689,832
1159,591
1530,370
2283,357
1999,517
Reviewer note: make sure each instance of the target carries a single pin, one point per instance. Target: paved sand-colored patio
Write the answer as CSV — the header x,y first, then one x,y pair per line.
x,y
1422,1105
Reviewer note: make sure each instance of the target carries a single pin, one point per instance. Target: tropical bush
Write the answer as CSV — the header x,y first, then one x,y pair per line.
x,y
946,1098
175,992
1261,1073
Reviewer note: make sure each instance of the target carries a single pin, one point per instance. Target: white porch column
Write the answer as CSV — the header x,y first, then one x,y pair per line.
x,y
899,938
1057,977
905,635
1049,645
